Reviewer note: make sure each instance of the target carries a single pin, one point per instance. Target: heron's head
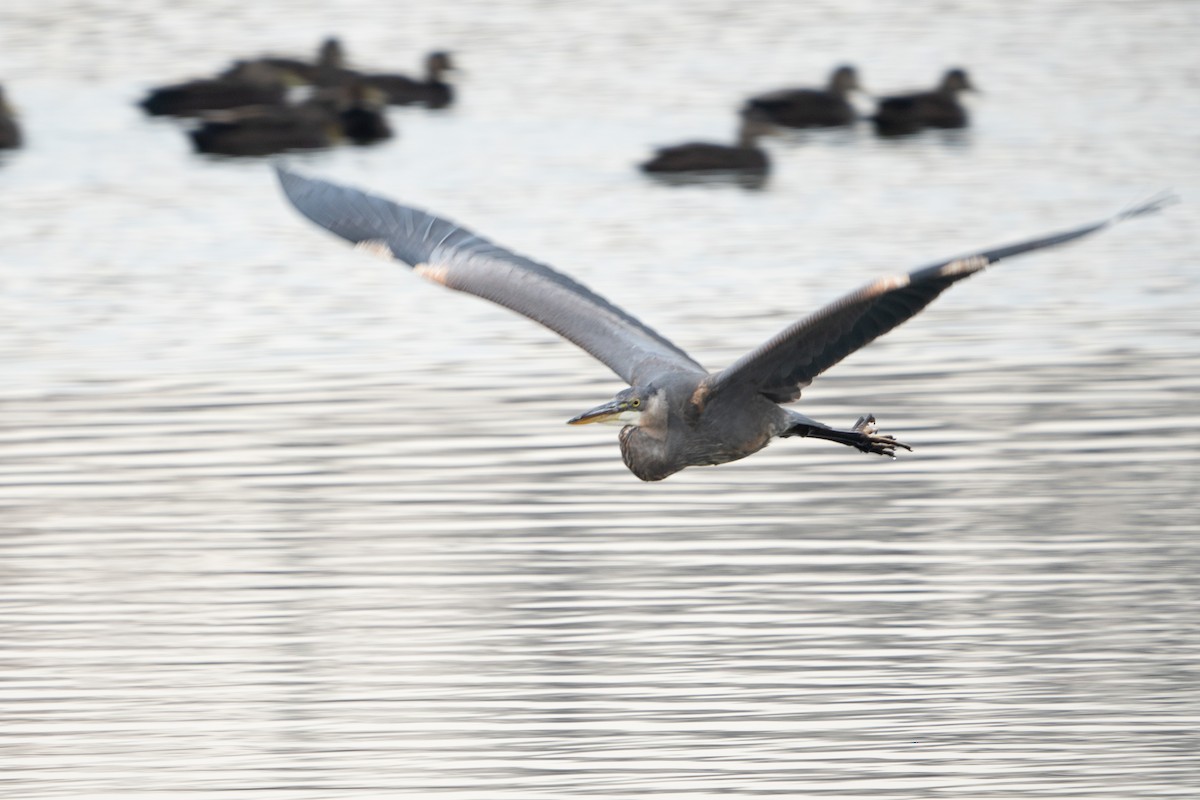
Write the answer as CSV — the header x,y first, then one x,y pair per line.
x,y
629,407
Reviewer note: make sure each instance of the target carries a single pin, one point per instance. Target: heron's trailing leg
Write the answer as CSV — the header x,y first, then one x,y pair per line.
x,y
861,435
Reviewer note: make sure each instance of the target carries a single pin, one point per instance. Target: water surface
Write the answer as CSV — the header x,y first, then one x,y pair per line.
x,y
280,518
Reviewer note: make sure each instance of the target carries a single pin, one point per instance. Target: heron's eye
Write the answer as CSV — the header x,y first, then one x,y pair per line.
x,y
636,402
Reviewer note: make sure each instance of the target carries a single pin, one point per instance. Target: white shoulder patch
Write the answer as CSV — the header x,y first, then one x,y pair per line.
x,y
889,283
376,247
434,272
968,265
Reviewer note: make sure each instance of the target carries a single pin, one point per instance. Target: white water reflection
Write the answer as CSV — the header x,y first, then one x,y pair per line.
x,y
278,518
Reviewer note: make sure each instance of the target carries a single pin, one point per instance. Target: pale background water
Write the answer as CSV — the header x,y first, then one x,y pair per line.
x,y
281,520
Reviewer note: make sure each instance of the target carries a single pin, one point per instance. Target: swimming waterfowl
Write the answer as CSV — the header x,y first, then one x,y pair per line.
x,y
265,130
358,110
745,156
328,68
325,119
10,131
432,92
909,113
810,108
252,84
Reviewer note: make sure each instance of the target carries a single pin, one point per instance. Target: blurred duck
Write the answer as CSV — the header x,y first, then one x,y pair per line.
x,y
10,131
745,156
909,113
329,67
319,122
252,83
358,110
264,130
809,108
432,92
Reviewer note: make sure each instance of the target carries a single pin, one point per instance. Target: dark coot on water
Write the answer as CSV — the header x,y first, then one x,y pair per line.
x,y
809,108
10,131
432,92
328,67
902,114
330,115
744,156
253,84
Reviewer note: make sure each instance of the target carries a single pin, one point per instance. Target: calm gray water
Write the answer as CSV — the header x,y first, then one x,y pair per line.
x,y
279,519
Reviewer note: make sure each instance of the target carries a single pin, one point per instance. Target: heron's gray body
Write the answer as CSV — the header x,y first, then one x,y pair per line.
x,y
676,414
697,430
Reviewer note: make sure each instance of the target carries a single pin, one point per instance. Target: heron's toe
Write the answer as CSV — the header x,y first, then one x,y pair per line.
x,y
874,442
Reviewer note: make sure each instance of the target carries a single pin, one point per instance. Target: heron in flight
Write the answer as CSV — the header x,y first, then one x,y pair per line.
x,y
674,413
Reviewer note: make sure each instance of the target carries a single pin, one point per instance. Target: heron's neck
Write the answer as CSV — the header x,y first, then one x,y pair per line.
x,y
647,456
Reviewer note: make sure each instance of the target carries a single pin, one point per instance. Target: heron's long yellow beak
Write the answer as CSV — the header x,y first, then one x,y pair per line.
x,y
608,412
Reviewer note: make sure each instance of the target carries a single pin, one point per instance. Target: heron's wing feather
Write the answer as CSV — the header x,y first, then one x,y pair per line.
x,y
453,256
782,366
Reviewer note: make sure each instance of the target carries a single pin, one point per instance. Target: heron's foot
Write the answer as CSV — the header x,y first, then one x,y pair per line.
x,y
862,435
869,440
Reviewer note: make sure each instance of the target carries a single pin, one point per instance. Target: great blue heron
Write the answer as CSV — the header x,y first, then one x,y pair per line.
x,y
675,413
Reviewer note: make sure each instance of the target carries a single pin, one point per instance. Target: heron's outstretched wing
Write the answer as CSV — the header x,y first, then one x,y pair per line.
x,y
454,257
782,366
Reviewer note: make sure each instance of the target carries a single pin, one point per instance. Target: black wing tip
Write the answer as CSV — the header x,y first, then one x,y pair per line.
x,y
323,203
291,182
1152,205
309,195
